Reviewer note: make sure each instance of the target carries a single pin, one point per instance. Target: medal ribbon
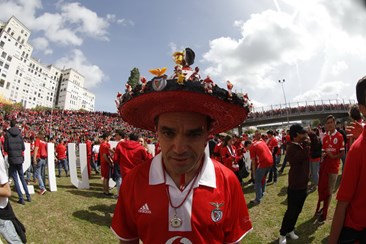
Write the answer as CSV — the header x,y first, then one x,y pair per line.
x,y
190,189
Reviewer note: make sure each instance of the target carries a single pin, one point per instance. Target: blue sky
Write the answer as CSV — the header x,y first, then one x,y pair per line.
x,y
317,46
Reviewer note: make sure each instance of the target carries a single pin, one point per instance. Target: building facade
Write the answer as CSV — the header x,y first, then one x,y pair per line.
x,y
23,79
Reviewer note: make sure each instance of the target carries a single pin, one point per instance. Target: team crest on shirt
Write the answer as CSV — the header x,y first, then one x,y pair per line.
x,y
335,140
216,214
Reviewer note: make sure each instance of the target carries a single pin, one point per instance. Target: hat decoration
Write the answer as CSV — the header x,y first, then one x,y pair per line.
x,y
183,91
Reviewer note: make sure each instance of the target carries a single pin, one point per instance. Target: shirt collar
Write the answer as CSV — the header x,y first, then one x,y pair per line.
x,y
207,176
335,131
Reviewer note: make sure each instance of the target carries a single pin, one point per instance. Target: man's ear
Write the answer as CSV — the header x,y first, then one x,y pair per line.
x,y
362,109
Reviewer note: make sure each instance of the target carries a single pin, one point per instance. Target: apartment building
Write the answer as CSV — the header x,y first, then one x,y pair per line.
x,y
23,79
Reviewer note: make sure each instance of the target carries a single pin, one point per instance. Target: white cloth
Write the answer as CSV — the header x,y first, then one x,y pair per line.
x,y
3,180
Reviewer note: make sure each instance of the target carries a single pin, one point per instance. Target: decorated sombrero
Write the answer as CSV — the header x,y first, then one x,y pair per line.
x,y
184,91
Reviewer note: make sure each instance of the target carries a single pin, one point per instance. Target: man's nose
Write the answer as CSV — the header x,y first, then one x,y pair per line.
x,y
180,144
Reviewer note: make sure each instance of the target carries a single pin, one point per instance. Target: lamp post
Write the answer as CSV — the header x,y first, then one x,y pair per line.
x,y
284,96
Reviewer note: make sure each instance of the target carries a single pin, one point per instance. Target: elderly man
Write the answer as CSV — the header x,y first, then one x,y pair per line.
x,y
181,195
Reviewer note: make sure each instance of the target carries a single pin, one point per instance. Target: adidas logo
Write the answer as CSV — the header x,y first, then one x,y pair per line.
x,y
145,209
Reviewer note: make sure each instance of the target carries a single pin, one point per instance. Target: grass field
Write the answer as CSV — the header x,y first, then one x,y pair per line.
x,y
84,216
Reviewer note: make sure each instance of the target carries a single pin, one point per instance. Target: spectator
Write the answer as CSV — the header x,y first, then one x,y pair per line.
x,y
349,222
196,199
62,158
106,163
14,146
298,177
332,151
262,162
40,157
11,229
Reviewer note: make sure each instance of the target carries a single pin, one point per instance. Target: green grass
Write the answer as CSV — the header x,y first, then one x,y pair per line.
x,y
267,216
71,215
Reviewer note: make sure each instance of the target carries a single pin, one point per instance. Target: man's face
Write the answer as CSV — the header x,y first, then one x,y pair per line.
x,y
330,125
257,135
183,137
300,137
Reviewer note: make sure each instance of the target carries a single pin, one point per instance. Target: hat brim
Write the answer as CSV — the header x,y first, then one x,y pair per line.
x,y
142,110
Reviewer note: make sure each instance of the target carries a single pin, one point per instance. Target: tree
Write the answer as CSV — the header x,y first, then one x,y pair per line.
x,y
134,78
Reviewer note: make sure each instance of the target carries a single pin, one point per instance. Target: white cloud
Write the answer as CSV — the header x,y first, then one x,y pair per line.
x,y
24,10
338,68
77,60
310,43
41,43
86,20
329,90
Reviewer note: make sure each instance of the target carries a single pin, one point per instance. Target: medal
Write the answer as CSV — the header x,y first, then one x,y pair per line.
x,y
176,222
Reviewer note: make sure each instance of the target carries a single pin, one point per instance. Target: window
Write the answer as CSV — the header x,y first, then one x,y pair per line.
x,y
2,44
2,82
1,63
6,66
9,58
3,54
7,85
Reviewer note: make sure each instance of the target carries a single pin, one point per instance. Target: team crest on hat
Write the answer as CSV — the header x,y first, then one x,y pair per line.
x,y
159,83
184,91
216,214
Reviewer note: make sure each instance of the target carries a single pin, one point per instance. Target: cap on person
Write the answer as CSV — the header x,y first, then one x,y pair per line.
x,y
296,129
184,91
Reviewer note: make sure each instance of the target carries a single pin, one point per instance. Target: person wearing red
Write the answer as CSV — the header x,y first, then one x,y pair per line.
x,y
130,153
106,163
332,151
195,198
285,141
349,222
40,160
262,162
228,154
272,144
62,158
89,155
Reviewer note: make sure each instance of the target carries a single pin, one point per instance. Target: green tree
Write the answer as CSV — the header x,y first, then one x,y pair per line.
x,y
134,78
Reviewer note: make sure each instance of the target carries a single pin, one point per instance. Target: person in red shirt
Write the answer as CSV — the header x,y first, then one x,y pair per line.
x,y
89,155
181,195
106,163
285,141
130,153
229,156
40,160
262,162
349,222
332,151
62,158
272,144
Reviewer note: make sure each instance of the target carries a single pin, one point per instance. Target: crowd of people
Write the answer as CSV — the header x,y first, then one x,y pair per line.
x,y
198,196
74,126
275,112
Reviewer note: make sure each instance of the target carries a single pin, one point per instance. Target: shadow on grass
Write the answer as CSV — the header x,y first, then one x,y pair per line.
x,y
282,192
98,193
306,230
99,214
